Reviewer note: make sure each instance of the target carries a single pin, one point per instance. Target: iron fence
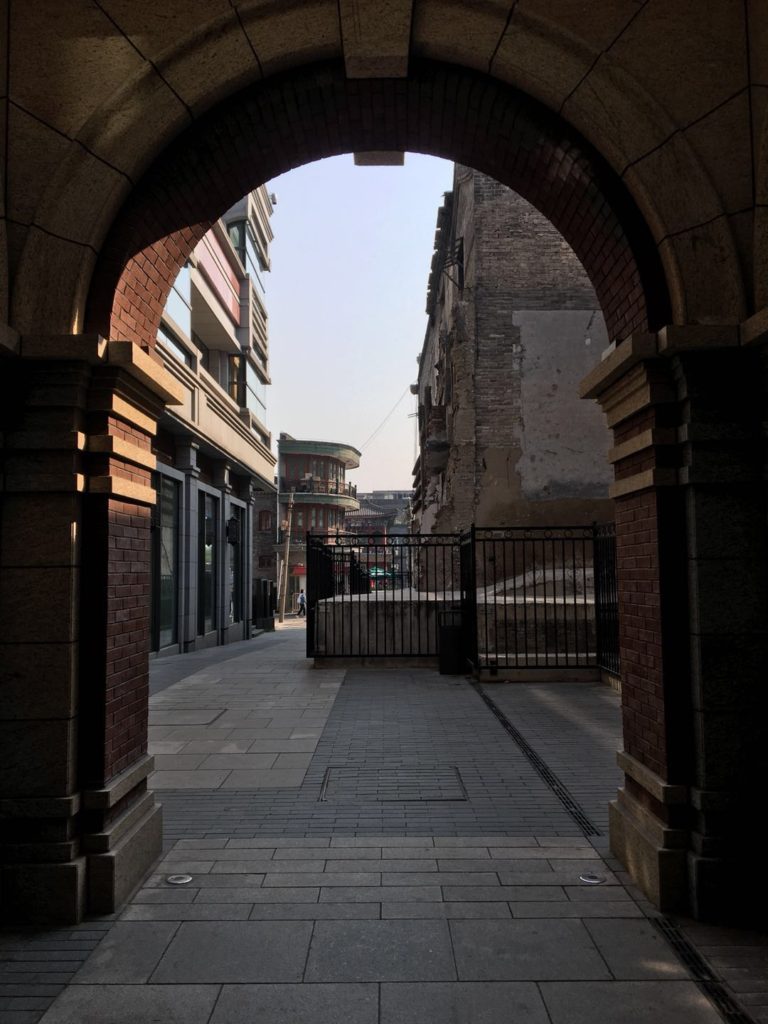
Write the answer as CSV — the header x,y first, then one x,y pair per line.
x,y
522,598
534,590
373,596
607,599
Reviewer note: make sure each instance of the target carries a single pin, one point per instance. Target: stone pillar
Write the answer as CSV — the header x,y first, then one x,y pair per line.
x,y
690,524
79,828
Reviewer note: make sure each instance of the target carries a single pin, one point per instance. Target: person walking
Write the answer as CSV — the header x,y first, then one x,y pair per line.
x,y
302,600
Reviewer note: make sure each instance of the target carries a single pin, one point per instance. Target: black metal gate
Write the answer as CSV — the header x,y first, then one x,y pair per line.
x,y
373,596
607,599
526,598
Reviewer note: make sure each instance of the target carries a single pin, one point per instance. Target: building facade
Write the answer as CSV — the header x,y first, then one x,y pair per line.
x,y
514,324
312,479
213,451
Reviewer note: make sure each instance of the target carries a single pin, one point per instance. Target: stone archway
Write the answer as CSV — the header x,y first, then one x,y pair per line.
x,y
651,229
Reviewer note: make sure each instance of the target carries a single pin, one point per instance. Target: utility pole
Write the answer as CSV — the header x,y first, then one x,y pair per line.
x,y
286,554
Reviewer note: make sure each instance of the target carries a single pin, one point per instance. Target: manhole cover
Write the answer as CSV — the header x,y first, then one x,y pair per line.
x,y
385,785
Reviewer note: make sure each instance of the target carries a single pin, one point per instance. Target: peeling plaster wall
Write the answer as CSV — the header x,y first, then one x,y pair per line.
x,y
511,348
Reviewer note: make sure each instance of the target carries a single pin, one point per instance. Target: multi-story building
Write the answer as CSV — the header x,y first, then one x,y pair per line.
x,y
213,452
514,324
312,476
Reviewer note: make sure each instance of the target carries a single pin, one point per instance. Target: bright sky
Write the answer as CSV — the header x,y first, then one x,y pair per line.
x,y
346,296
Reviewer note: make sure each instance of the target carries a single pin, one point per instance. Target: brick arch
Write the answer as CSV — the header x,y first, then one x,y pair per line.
x,y
440,110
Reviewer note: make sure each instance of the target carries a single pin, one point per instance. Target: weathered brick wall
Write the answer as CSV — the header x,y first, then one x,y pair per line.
x,y
512,372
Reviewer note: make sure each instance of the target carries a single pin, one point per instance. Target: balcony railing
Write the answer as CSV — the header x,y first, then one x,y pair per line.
x,y
316,485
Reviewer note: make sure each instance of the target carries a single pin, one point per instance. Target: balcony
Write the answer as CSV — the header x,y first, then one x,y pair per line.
x,y
316,485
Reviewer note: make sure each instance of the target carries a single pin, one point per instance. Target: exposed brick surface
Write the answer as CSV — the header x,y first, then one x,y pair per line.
x,y
637,552
268,129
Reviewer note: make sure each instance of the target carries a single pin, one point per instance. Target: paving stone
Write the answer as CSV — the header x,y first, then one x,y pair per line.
x,y
245,867
495,893
635,950
234,951
212,746
195,779
183,716
623,908
301,761
243,761
380,951
596,893
269,778
324,878
340,860
128,954
315,911
219,856
298,1004
630,1002
164,895
375,864
200,844
485,878
464,1002
446,853
485,842
530,950
133,1004
187,912
379,893
291,846
444,911
420,842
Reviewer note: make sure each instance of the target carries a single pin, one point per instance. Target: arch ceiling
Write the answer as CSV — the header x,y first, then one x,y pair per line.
x,y
668,98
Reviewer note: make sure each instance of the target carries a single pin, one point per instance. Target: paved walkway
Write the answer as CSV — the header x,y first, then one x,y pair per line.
x,y
374,846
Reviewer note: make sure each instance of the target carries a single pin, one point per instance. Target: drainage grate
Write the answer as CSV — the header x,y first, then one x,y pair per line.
x,y
386,785
569,802
702,973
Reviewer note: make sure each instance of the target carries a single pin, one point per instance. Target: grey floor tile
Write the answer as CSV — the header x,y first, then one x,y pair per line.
x,y
324,878
263,865
188,912
298,1004
525,950
235,951
628,1002
133,1004
635,950
128,953
420,842
301,761
380,951
248,762
464,878
180,716
463,1003
269,778
621,909
494,893
195,779
289,846
379,893
444,911
315,912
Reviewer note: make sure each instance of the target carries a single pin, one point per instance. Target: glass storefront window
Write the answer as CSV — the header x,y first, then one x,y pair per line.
x,y
208,554
165,564
235,537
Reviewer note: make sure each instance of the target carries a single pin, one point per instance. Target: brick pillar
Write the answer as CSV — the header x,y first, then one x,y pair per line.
x,y
79,827
690,523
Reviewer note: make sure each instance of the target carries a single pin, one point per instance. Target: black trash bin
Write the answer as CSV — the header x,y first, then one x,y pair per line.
x,y
450,643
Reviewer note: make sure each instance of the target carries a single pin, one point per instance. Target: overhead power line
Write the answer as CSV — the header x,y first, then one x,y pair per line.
x,y
386,418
